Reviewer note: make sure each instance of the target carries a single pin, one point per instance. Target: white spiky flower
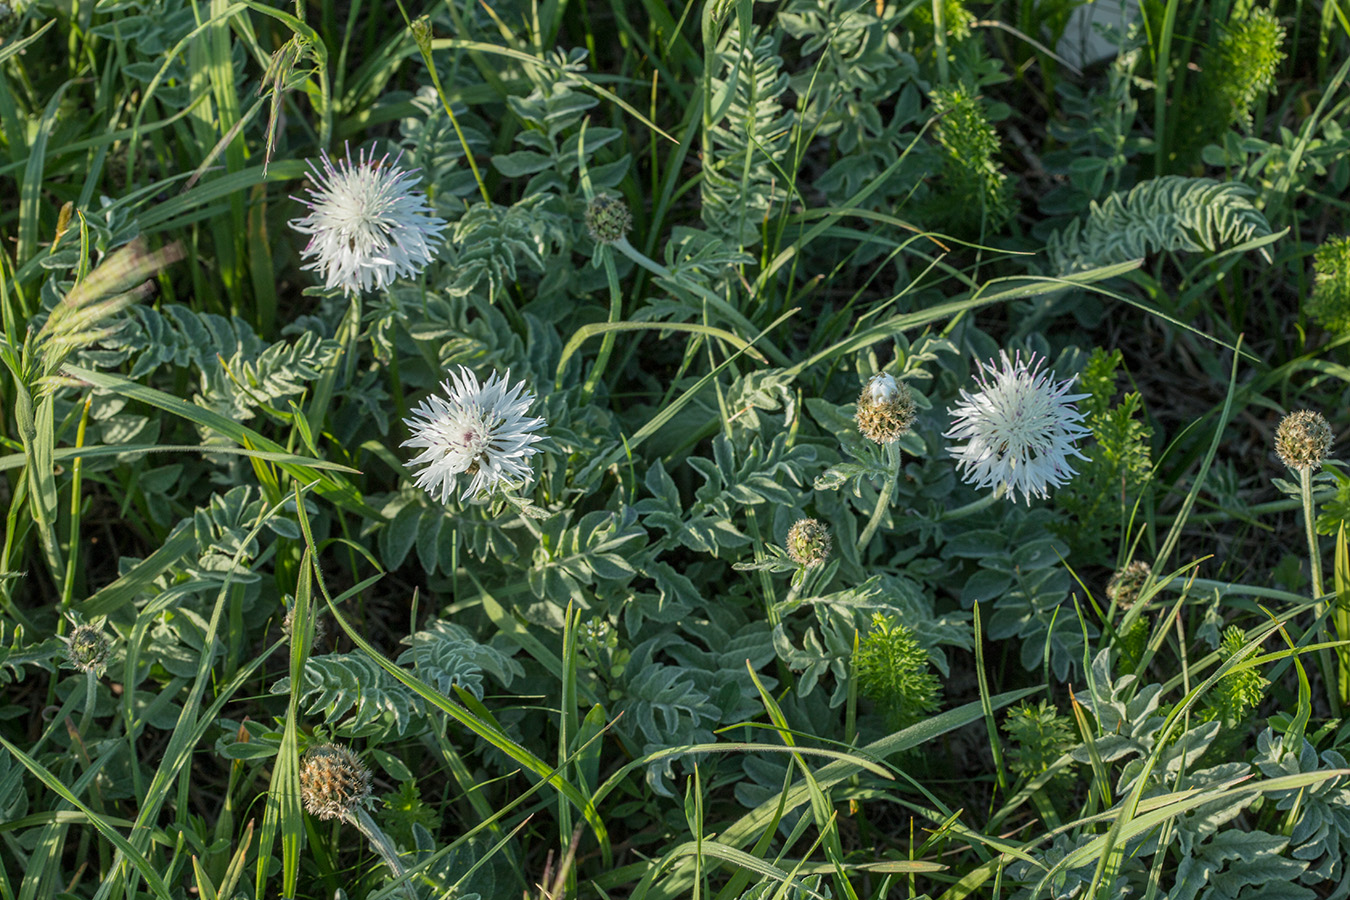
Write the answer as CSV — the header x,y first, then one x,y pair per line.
x,y
479,429
1019,428
368,224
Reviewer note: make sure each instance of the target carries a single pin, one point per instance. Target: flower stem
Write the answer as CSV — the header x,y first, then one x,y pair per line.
x,y
1335,690
607,342
90,698
973,506
729,312
381,844
884,500
1314,556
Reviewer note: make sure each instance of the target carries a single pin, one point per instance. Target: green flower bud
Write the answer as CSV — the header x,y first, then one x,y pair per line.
x,y
88,649
808,542
608,219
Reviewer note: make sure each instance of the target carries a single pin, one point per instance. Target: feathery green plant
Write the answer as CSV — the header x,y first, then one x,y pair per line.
x,y
747,165
1329,304
973,196
892,671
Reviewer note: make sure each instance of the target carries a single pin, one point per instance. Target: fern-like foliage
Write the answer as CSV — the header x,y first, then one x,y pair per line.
x,y
240,372
443,654
446,656
1020,571
494,244
1096,142
552,139
956,19
1102,498
1237,68
1322,829
1237,863
1329,304
662,706
1039,735
1237,693
892,671
1129,721
336,683
1240,66
732,480
747,148
1170,213
973,195
433,147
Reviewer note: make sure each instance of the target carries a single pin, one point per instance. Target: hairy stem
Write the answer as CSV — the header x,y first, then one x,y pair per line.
x,y
884,500
1336,686
380,843
1314,556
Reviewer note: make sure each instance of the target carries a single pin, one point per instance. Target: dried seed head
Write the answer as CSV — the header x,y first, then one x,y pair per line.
x,y
808,542
333,782
1124,586
1302,440
608,219
88,649
885,409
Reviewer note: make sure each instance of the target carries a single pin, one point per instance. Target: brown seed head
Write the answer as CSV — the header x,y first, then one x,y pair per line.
x,y
885,409
333,782
1124,586
1302,440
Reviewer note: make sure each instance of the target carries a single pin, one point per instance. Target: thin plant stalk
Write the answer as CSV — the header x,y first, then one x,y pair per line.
x,y
421,31
90,698
76,481
1314,557
884,500
974,506
1336,691
1342,617
380,843
606,342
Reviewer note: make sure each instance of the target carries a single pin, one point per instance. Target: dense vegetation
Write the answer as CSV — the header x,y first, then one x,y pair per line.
x,y
824,448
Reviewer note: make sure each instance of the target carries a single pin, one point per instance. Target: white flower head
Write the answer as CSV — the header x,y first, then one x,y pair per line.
x,y
368,224
1019,428
478,429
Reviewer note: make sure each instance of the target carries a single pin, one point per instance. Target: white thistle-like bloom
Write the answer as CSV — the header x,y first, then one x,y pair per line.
x,y
368,224
478,429
1019,428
